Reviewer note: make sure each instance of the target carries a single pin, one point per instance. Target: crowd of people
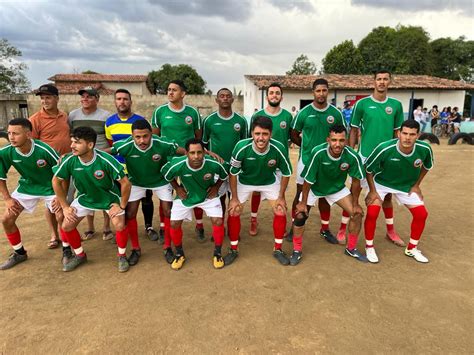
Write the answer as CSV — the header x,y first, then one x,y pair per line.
x,y
449,120
97,161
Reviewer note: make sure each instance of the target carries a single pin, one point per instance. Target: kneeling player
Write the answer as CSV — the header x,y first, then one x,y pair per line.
x,y
34,161
398,166
253,168
145,154
199,188
324,177
95,174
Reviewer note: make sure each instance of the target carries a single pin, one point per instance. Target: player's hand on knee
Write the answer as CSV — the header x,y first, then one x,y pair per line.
x,y
56,206
301,208
280,206
372,196
357,210
70,214
13,206
115,210
416,190
234,207
212,192
181,192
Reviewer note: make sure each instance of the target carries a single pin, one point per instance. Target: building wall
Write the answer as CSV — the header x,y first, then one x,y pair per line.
x,y
142,104
10,108
134,88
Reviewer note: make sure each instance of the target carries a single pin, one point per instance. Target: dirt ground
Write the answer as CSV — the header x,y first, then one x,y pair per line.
x,y
329,303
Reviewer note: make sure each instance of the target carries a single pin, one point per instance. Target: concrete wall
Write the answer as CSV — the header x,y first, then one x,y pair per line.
x,y
134,88
142,104
10,108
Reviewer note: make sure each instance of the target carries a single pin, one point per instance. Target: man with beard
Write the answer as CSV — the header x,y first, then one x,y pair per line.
x,y
309,129
281,119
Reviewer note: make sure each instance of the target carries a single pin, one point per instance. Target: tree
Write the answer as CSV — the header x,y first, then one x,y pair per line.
x,y
89,72
453,58
12,76
302,66
377,49
344,58
158,80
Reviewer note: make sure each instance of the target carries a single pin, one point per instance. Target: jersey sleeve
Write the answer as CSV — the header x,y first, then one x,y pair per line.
x,y
356,169
356,117
5,164
155,118
284,163
373,163
236,161
298,122
399,117
197,124
310,170
244,133
62,170
113,149
206,132
169,170
222,172
428,162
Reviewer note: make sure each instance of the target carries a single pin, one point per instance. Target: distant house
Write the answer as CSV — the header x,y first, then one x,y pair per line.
x,y
411,90
106,84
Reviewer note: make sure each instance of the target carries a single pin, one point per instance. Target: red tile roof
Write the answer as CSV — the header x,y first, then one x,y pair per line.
x,y
98,78
73,87
359,82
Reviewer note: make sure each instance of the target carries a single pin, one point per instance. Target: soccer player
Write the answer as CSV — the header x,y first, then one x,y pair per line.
x,y
398,167
95,174
379,118
253,168
180,122
33,160
309,129
281,119
324,177
221,132
118,127
90,115
201,178
145,154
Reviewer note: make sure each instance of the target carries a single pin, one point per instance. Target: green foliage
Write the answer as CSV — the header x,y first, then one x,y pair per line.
x,y
453,58
12,76
302,66
158,80
344,58
89,72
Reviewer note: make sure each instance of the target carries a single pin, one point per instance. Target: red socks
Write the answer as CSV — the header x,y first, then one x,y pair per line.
x,y
255,204
325,217
279,228
370,223
297,242
351,241
133,232
344,220
162,218
420,214
198,215
218,234
233,223
74,239
15,240
388,212
122,240
177,236
167,243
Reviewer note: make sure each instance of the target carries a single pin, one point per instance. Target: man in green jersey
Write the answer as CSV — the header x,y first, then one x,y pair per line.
x,y
201,177
180,122
324,177
145,154
378,117
95,174
309,129
281,119
33,160
221,131
398,167
253,168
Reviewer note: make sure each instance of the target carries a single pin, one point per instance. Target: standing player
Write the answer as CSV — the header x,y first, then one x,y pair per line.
x,y
180,122
221,132
201,178
281,119
33,160
118,127
145,154
324,177
253,168
311,128
95,174
89,115
379,118
384,166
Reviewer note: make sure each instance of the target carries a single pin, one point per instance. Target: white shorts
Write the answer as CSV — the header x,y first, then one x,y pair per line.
x,y
402,197
164,193
224,189
331,199
82,211
180,212
299,171
456,124
267,192
29,202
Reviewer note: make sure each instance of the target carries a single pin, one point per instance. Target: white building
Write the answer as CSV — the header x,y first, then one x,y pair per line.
x,y
411,90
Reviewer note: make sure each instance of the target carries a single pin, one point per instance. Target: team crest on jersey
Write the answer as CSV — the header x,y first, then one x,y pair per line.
x,y
388,110
41,163
207,176
99,174
282,124
272,163
330,119
237,127
418,163
188,119
344,166
156,157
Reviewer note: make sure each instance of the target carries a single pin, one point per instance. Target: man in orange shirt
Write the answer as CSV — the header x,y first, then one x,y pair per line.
x,y
50,125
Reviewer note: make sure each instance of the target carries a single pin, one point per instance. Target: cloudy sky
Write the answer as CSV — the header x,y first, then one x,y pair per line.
x,y
222,40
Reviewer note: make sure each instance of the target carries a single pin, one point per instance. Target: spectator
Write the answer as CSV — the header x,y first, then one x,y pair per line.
x,y
455,119
434,115
419,117
347,112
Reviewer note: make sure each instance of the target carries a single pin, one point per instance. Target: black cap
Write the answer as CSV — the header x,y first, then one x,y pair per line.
x,y
48,89
90,90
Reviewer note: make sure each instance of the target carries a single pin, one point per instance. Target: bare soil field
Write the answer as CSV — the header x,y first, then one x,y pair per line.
x,y
329,303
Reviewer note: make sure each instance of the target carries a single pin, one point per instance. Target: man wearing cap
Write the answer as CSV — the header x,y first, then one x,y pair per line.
x,y
50,125
89,115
